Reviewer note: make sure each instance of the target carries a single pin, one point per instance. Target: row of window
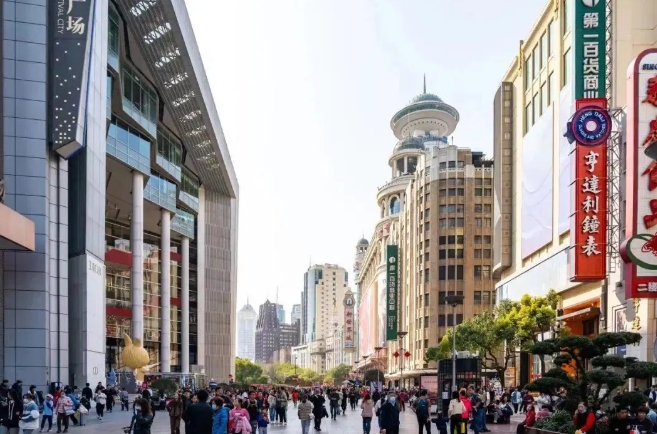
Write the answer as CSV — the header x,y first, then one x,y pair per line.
x,y
455,272
458,254
542,100
452,182
459,222
451,165
538,59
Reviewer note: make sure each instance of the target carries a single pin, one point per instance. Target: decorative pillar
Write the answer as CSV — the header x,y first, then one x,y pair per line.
x,y
405,164
184,305
200,278
165,297
137,247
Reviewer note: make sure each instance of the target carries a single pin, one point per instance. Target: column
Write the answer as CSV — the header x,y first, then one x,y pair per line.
x,y
200,278
137,247
184,305
165,294
405,164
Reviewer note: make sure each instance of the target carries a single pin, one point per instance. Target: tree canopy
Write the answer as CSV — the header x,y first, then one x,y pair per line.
x,y
247,372
337,375
496,335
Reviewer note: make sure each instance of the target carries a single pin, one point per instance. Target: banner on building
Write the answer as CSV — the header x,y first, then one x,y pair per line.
x,y
349,309
72,24
590,128
392,282
639,250
590,49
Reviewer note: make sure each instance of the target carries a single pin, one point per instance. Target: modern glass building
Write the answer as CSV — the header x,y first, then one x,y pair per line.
x,y
121,196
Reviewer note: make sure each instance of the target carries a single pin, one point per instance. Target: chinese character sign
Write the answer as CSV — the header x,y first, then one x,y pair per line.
x,y
71,24
639,249
589,216
590,49
349,320
392,275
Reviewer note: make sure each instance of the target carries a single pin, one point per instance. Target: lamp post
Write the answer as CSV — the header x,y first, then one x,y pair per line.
x,y
401,335
454,300
295,365
378,371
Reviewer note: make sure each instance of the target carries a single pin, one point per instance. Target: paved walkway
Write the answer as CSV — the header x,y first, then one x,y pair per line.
x,y
351,423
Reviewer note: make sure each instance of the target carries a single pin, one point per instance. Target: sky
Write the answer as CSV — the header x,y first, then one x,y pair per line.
x,y
305,91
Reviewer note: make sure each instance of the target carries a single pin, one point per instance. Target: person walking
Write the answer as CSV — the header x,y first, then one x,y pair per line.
x,y
14,413
220,419
48,411
344,402
455,412
29,420
281,406
422,413
101,400
367,413
175,410
389,420
63,409
319,411
142,420
334,403
271,400
198,416
305,413
263,421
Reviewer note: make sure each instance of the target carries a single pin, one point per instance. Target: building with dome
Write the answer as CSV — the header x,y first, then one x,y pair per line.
x,y
246,329
437,208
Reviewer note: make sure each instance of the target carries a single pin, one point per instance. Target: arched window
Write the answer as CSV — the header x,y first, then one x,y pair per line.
x,y
395,206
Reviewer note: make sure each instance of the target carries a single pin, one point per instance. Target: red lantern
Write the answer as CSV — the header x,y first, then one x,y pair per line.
x,y
407,354
396,354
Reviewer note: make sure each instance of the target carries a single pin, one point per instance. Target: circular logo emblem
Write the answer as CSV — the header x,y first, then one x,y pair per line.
x,y
392,259
591,126
590,3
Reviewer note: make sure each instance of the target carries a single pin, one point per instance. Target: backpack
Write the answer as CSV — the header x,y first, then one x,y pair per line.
x,y
422,408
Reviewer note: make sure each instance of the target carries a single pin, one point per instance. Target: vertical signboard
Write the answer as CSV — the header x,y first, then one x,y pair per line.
x,y
590,128
349,307
392,274
590,48
639,250
71,23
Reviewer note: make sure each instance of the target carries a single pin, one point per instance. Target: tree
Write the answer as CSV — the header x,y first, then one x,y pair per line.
x,y
337,375
308,376
373,375
247,372
570,371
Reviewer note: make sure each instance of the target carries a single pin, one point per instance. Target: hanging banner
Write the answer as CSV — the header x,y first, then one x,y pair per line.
x,y
349,306
639,250
392,282
590,49
590,127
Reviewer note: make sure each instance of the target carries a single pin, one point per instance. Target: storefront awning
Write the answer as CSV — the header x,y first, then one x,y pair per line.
x,y
16,230
582,314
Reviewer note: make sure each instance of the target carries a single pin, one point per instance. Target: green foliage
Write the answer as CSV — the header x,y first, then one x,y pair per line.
x,y
165,384
337,375
631,400
561,421
373,375
247,372
641,370
437,353
586,385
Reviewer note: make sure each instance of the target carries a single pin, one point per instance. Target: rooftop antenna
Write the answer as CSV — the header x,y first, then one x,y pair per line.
x,y
277,295
425,84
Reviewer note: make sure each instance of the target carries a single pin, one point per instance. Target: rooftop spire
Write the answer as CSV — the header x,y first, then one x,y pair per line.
x,y
424,89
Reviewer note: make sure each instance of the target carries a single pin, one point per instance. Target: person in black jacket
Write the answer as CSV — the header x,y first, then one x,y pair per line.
x,y
87,392
389,419
621,423
14,413
199,416
319,411
143,419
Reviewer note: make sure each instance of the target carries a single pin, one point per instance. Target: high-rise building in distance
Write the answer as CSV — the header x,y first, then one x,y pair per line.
x,y
322,309
295,315
280,313
271,335
246,328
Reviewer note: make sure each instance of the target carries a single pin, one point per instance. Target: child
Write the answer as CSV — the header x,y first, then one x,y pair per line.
x,y
48,408
478,418
441,424
263,421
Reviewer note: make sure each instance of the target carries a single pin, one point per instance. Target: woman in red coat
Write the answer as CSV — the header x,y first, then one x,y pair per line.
x,y
584,419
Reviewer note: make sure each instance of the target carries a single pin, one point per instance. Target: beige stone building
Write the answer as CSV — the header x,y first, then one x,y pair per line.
x,y
438,208
533,239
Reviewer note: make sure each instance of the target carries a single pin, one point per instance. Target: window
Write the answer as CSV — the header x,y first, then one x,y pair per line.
x,y
426,227
485,271
426,322
487,253
536,62
139,95
442,165
528,117
426,257
488,208
486,299
442,192
565,7
477,297
441,297
567,67
478,182
426,299
113,32
451,164
450,254
478,222
460,192
487,239
478,192
451,223
478,207
488,192
477,271
460,208
488,181
535,108
487,223
128,145
544,50
426,213
460,222
395,206
551,88
426,275
451,192
441,320
442,223
477,254
442,254
528,72
544,98
552,38
477,239
169,153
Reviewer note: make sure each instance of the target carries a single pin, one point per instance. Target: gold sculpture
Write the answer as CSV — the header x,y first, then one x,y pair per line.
x,y
135,357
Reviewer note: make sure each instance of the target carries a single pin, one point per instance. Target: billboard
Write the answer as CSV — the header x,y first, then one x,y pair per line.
x,y
365,329
590,127
639,250
349,306
392,284
590,49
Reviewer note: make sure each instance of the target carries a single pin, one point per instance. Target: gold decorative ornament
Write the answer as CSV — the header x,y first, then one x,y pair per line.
x,y
636,323
135,357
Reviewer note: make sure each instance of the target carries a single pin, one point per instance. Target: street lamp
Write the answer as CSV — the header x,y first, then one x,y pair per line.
x,y
401,335
378,378
454,300
295,365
